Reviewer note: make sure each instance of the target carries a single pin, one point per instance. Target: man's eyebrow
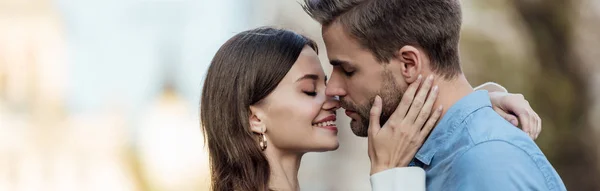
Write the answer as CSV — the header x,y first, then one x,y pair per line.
x,y
336,62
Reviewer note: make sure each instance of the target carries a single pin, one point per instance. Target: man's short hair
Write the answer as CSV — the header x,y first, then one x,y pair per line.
x,y
385,26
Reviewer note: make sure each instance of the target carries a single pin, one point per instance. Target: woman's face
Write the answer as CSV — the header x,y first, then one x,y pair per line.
x,y
297,115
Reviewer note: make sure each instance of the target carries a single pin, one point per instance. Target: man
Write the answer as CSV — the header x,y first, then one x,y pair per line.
x,y
380,47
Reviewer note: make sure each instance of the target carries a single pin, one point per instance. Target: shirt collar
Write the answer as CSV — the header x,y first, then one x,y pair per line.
x,y
450,122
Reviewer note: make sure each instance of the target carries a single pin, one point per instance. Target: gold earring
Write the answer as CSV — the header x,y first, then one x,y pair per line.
x,y
262,141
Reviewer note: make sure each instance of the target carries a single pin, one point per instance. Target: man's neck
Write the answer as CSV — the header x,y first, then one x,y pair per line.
x,y
451,91
284,170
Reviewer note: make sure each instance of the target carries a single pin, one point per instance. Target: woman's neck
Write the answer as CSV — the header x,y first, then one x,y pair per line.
x,y
284,169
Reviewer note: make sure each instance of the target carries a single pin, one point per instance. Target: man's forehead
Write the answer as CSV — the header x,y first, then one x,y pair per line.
x,y
339,45
335,29
326,29
336,39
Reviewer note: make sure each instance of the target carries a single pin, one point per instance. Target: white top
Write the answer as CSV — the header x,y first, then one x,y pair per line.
x,y
492,87
399,179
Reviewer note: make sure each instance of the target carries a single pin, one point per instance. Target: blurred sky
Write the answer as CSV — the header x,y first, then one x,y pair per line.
x,y
120,51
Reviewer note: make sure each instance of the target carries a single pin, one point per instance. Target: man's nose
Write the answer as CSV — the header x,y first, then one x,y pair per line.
x,y
335,86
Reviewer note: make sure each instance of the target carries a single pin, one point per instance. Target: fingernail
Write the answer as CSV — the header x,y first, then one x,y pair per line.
x,y
378,99
440,108
430,77
419,78
435,88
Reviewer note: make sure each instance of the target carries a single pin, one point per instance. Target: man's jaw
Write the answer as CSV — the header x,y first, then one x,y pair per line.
x,y
358,128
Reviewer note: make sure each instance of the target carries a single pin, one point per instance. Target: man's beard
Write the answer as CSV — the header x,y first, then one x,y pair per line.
x,y
390,94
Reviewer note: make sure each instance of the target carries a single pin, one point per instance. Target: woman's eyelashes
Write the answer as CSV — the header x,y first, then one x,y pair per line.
x,y
310,93
310,90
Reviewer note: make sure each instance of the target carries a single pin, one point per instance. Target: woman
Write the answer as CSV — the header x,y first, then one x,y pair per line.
x,y
263,106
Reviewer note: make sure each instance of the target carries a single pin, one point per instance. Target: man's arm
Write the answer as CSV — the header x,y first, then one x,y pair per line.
x,y
499,165
399,179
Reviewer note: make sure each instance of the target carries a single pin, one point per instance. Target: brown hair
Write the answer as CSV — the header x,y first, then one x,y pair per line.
x,y
244,70
385,26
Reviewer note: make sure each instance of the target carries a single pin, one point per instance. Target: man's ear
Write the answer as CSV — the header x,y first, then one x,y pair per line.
x,y
411,63
256,120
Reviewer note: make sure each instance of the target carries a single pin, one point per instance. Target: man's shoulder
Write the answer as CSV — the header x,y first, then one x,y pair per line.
x,y
486,125
486,134
493,151
502,163
489,153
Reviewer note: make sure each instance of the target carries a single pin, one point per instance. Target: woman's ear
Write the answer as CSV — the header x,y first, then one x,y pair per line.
x,y
411,61
256,120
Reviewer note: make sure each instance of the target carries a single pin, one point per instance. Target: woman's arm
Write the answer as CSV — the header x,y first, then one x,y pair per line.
x,y
514,108
491,87
396,179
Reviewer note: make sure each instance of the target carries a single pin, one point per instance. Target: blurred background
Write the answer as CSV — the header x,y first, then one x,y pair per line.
x,y
104,95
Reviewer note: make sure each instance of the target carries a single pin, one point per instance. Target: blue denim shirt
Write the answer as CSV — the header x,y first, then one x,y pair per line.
x,y
473,148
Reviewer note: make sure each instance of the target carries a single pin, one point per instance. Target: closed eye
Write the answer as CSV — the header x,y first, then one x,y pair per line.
x,y
348,73
344,65
310,93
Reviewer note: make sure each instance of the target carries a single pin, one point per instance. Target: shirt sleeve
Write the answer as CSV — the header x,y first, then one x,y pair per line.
x,y
498,165
399,179
491,87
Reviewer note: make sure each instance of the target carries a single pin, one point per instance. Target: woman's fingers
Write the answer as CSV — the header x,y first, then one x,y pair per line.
x,y
426,110
536,127
430,124
375,114
406,100
419,100
509,117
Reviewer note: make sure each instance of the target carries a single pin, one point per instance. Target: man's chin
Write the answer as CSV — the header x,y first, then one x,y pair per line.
x,y
358,128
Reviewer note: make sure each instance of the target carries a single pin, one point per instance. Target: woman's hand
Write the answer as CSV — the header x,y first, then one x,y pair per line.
x,y
396,143
514,108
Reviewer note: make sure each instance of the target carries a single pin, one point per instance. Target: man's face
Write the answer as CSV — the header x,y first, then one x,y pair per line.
x,y
358,77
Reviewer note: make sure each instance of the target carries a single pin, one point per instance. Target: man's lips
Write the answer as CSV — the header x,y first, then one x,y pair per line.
x,y
352,114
